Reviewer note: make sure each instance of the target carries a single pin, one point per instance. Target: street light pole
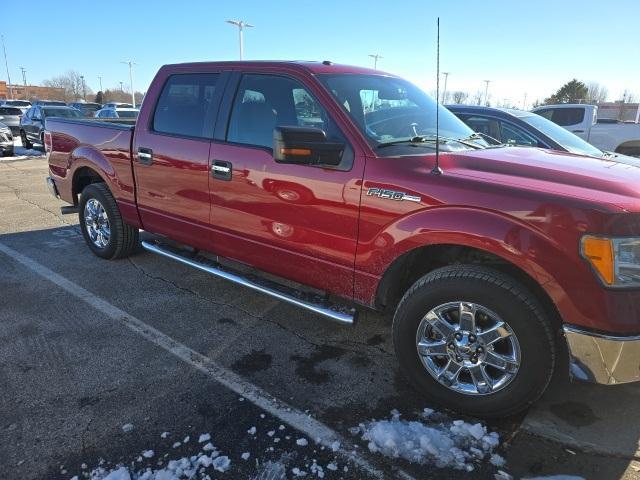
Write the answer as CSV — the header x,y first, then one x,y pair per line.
x,y
133,95
100,80
121,87
444,90
84,89
241,24
375,57
6,64
486,91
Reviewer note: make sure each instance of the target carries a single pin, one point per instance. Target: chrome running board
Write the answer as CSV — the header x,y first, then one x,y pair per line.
x,y
313,303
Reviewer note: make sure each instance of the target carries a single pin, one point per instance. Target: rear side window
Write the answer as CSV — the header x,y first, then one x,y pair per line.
x,y
186,106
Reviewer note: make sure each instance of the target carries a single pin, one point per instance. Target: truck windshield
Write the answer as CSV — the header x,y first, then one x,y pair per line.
x,y
392,111
568,140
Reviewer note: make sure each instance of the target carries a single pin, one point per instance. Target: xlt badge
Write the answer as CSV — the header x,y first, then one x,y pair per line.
x,y
392,195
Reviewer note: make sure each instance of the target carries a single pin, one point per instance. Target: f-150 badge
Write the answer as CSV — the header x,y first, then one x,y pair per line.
x,y
392,195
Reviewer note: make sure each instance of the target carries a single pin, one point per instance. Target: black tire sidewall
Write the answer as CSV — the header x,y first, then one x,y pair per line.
x,y
94,191
523,316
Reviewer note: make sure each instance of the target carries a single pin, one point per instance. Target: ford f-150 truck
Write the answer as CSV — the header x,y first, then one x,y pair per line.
x,y
336,183
623,138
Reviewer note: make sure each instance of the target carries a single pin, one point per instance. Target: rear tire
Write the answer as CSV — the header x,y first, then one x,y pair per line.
x,y
25,141
102,226
471,383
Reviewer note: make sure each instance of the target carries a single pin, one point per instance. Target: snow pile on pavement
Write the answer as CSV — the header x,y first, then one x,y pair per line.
x,y
196,466
456,444
20,151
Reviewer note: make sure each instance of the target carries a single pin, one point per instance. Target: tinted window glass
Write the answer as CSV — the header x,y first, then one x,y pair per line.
x,y
127,113
186,107
484,125
10,111
512,135
266,101
61,112
563,116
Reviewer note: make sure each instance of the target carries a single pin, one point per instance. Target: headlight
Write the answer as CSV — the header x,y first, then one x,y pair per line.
x,y
617,260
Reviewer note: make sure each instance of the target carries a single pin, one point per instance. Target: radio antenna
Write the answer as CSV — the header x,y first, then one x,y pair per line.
x,y
436,168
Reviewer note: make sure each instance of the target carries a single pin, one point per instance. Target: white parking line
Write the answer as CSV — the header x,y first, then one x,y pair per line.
x,y
314,429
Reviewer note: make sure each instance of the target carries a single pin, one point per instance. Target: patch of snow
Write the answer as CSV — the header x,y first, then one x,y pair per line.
x,y
252,431
205,437
127,427
148,453
164,434
302,442
281,427
497,460
245,456
176,444
456,445
298,473
335,446
222,464
208,447
186,439
332,466
120,474
271,433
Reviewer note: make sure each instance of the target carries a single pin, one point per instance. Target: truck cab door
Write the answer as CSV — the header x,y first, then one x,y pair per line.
x,y
292,220
577,120
171,154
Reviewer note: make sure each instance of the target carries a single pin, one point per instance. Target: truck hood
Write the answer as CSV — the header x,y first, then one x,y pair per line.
x,y
601,180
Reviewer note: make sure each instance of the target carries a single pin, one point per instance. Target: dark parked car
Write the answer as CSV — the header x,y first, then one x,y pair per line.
x,y
10,116
87,109
6,140
517,127
33,123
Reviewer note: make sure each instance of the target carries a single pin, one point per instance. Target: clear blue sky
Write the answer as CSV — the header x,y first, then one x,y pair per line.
x,y
522,47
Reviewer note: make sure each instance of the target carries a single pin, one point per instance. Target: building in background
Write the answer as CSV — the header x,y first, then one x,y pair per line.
x,y
30,92
617,111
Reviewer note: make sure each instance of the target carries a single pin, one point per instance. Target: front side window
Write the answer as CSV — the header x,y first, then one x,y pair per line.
x,y
390,111
186,106
486,126
512,135
263,102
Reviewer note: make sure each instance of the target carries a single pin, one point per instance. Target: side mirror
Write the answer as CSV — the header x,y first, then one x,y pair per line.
x,y
304,145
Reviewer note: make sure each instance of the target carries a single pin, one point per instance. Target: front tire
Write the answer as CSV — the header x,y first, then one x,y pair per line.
x,y
474,340
102,226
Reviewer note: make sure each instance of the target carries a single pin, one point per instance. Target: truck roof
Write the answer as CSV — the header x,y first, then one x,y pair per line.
x,y
314,67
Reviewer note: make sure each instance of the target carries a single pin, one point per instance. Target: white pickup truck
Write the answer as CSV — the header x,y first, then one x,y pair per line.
x,y
582,120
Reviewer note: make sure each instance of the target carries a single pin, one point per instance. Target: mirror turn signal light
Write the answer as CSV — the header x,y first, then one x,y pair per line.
x,y
599,252
301,152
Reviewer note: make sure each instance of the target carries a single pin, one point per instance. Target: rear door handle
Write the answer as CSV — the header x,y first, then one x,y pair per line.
x,y
577,131
221,170
145,156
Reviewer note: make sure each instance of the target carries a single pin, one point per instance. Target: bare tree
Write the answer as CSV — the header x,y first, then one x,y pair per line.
x,y
117,95
477,98
596,93
460,96
72,84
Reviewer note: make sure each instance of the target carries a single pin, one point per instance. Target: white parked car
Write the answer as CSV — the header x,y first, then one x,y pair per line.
x,y
117,112
582,120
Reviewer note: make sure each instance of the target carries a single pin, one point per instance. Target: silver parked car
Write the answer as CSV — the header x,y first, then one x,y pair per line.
x,y
6,140
10,116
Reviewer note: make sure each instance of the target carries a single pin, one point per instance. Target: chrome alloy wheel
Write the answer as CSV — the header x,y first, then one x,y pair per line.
x,y
97,223
468,348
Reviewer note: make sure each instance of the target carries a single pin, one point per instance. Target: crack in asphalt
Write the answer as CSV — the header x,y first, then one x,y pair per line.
x,y
17,192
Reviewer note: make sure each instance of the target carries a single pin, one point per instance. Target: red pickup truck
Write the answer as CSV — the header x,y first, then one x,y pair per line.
x,y
502,264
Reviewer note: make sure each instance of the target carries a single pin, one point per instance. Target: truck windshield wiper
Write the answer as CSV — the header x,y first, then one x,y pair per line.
x,y
430,140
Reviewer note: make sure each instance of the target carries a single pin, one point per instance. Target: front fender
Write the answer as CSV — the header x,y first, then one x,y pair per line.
x,y
552,264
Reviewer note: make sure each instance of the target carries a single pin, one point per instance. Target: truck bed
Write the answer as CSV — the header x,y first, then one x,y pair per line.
x,y
76,144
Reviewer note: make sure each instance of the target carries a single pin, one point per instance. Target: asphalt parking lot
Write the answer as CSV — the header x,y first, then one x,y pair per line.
x,y
88,347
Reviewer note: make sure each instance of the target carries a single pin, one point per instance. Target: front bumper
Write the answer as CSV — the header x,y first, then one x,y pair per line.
x,y
52,187
603,359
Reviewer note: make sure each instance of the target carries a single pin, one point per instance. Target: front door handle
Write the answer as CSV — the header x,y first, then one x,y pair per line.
x,y
145,156
577,131
221,170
